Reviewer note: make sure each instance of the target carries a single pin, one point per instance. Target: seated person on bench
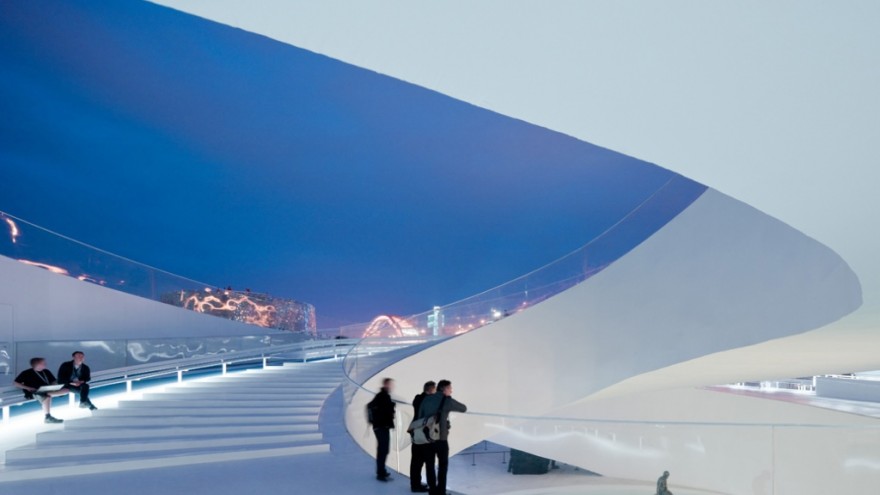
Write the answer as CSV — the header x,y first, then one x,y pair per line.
x,y
75,376
32,379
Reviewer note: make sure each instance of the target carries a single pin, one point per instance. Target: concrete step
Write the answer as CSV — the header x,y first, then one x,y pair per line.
x,y
281,375
292,370
116,435
248,398
50,454
148,422
243,415
182,410
304,369
286,391
327,365
284,373
268,394
252,391
42,473
258,380
289,388
257,385
265,383
240,397
220,403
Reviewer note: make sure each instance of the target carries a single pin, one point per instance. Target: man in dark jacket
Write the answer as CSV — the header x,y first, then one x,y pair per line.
x,y
381,415
75,375
422,455
441,403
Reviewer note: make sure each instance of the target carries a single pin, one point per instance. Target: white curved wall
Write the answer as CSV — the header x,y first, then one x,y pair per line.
x,y
719,276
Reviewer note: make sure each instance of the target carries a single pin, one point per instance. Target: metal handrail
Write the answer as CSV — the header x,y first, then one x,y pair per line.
x,y
12,396
658,423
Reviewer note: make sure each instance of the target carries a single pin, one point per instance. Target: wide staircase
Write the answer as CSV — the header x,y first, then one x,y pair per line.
x,y
253,414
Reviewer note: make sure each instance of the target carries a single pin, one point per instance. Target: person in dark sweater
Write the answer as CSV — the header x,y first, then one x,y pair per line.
x,y
75,375
381,415
441,403
422,454
30,380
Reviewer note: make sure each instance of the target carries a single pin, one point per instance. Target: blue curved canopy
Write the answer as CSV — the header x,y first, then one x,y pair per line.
x,y
228,157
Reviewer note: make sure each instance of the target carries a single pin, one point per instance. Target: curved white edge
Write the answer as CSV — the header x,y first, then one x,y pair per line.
x,y
720,276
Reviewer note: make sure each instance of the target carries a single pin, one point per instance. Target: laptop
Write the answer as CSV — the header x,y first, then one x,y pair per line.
x,y
49,388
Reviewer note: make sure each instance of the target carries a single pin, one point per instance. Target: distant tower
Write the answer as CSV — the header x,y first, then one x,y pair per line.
x,y
436,321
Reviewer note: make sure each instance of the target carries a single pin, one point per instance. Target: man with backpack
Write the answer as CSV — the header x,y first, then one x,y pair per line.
x,y
422,454
380,412
440,405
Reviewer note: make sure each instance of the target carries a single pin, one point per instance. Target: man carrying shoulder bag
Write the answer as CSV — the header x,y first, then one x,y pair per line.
x,y
435,410
422,454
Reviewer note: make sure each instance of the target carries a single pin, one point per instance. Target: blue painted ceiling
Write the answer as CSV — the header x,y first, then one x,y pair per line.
x,y
231,158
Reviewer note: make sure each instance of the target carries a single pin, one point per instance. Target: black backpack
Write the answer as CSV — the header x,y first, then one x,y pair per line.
x,y
372,411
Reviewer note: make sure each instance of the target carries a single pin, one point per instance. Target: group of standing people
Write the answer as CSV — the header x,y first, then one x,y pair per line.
x,y
435,400
39,383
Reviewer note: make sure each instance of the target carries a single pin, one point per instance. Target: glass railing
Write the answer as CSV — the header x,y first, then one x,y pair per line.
x,y
372,355
707,457
106,355
704,457
519,294
36,246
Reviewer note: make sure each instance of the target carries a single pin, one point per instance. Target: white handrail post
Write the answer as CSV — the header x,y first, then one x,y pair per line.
x,y
224,367
127,384
179,375
397,439
6,414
